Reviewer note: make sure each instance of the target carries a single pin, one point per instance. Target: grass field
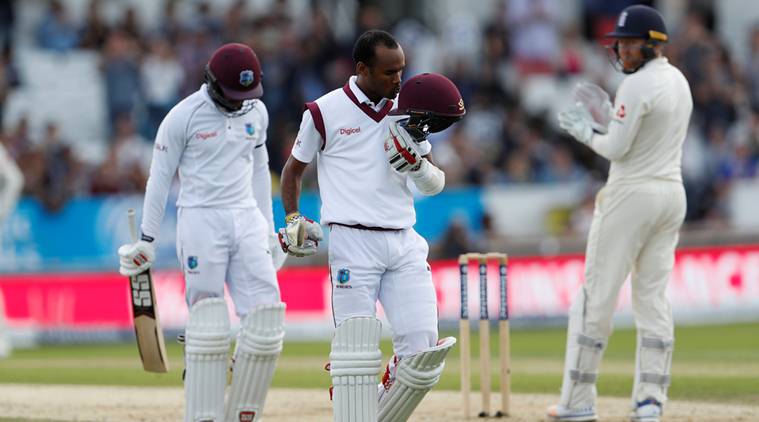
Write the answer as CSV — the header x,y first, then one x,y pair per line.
x,y
716,363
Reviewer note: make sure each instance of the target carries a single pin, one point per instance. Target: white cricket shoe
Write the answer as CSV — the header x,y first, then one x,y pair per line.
x,y
648,410
558,412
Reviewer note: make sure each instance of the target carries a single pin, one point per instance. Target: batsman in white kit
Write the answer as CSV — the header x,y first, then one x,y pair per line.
x,y
637,216
367,154
215,140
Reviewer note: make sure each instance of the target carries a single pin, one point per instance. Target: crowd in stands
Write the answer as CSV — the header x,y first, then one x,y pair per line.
x,y
503,140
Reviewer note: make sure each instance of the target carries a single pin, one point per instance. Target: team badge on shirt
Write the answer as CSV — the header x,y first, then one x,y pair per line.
x,y
246,77
621,113
192,262
343,277
250,129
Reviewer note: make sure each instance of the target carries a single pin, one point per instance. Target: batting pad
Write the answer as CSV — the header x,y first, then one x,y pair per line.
x,y
355,361
652,368
416,375
206,347
258,347
582,360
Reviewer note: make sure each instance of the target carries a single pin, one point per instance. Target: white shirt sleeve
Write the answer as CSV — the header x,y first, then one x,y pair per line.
x,y
11,182
169,146
424,148
261,173
629,109
309,141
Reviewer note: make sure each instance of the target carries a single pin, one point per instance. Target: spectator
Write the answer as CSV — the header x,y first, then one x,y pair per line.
x,y
94,33
162,77
58,178
122,74
56,32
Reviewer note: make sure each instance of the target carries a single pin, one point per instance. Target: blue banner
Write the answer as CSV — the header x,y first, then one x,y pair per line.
x,y
86,233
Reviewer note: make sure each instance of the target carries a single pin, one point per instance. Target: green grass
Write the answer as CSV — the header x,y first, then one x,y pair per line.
x,y
716,363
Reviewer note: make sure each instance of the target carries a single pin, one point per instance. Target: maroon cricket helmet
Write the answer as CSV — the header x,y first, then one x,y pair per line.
x,y
235,69
432,99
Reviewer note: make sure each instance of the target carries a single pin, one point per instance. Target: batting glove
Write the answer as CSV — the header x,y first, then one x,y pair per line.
x,y
278,256
399,148
578,122
135,258
301,236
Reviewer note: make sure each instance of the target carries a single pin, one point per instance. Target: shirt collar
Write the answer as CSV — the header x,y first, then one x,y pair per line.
x,y
361,97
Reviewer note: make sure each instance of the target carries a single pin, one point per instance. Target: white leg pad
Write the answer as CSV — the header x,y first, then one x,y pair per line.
x,y
355,361
582,361
415,376
207,340
259,344
652,369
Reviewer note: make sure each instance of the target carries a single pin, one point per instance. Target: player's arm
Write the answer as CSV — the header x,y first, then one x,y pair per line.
x,y
169,146
12,182
407,155
630,107
301,235
261,173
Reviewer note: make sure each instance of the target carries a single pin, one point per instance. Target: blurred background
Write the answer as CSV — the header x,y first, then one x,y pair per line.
x,y
84,85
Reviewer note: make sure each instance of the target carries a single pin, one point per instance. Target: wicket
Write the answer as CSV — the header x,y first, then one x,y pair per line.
x,y
503,333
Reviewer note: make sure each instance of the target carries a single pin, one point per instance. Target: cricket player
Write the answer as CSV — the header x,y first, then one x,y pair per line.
x,y
11,182
637,216
367,155
215,140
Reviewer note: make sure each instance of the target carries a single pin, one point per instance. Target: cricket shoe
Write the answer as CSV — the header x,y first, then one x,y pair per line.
x,y
648,410
558,412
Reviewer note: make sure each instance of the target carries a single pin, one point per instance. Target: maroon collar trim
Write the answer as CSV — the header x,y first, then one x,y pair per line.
x,y
377,116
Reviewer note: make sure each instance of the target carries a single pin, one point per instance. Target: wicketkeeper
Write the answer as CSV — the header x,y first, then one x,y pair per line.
x,y
637,216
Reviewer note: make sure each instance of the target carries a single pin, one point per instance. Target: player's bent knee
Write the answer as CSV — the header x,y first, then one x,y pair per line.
x,y
416,375
258,347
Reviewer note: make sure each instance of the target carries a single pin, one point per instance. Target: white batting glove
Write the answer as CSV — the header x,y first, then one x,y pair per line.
x,y
301,236
399,148
278,256
578,123
135,258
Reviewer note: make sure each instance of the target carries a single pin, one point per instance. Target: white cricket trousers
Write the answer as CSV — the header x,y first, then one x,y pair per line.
x,y
635,229
215,245
389,266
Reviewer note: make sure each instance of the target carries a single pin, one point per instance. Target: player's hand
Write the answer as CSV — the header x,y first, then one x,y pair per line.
x,y
301,236
596,101
278,256
578,122
136,257
399,148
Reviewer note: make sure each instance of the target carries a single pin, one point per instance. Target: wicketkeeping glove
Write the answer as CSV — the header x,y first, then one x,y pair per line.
x,y
578,122
135,258
301,236
399,148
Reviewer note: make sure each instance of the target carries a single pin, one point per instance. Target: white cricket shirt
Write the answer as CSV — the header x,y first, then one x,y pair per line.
x,y
346,132
646,134
213,154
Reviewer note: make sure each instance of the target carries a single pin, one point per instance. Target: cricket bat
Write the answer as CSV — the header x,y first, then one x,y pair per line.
x,y
150,341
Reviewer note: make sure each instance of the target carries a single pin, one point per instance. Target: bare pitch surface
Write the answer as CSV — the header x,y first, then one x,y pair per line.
x,y
164,404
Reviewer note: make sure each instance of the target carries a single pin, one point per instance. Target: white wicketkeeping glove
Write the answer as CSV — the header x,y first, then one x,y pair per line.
x,y
578,123
596,101
399,148
135,258
278,256
301,236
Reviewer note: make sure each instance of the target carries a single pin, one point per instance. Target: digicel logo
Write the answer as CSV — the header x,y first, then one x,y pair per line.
x,y
349,130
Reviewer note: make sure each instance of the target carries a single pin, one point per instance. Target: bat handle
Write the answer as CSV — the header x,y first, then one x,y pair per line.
x,y
132,217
